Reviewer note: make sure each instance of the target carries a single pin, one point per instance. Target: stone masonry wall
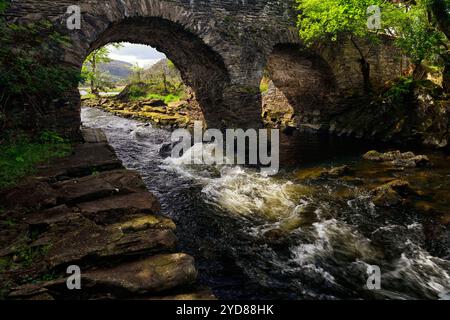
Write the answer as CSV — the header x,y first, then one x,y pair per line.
x,y
220,46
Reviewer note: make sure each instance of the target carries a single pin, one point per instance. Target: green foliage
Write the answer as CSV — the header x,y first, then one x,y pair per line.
x,y
411,23
28,255
157,91
91,73
88,96
4,4
153,96
50,276
19,158
171,98
137,71
328,19
414,32
400,91
27,64
264,86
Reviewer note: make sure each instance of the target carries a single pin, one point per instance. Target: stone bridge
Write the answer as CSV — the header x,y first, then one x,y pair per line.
x,y
221,47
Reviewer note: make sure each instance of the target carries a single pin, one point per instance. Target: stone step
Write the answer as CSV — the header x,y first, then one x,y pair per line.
x,y
52,216
91,243
113,209
85,160
99,186
38,194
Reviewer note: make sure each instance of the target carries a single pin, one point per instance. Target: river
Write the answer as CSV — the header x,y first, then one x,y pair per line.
x,y
287,236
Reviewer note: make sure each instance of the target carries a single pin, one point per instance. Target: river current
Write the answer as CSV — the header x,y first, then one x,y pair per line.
x,y
287,236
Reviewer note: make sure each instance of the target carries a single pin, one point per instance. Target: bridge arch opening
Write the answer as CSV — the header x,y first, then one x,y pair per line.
x,y
297,87
201,68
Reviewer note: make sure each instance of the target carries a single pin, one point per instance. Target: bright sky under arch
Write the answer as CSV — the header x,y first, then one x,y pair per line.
x,y
144,56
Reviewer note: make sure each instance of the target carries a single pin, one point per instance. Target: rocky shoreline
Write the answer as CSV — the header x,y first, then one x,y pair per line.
x,y
180,114
87,210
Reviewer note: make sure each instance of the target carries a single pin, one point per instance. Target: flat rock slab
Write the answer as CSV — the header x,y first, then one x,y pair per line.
x,y
143,222
85,160
146,276
87,210
91,243
61,214
113,209
32,194
93,135
99,186
202,294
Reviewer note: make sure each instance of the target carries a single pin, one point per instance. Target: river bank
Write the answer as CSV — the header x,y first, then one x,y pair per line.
x,y
87,210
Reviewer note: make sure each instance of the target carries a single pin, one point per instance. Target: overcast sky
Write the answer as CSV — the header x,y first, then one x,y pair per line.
x,y
145,56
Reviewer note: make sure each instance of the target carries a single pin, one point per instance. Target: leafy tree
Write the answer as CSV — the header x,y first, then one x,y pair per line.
x,y
91,72
137,73
418,27
439,15
412,26
324,20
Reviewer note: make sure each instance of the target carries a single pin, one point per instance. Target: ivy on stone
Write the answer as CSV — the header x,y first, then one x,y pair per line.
x,y
28,72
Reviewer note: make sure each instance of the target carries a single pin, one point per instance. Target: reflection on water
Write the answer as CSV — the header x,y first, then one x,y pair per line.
x,y
287,236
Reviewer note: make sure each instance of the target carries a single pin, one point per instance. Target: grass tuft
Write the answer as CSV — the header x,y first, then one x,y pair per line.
x,y
19,158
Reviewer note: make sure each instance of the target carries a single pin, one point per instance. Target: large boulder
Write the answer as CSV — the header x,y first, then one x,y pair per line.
x,y
153,274
141,278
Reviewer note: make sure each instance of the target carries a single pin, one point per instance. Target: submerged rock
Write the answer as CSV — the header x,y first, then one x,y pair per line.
x,y
317,173
391,194
398,159
337,172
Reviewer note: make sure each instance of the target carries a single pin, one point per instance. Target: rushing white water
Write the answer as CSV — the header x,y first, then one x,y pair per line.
x,y
298,238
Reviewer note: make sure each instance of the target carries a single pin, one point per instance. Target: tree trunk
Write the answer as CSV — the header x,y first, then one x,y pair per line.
x,y
420,72
165,83
365,70
446,76
94,89
365,67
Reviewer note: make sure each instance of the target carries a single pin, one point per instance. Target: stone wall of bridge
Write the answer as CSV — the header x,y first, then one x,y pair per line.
x,y
221,47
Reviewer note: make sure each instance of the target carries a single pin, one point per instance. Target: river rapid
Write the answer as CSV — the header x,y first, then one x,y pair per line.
x,y
291,237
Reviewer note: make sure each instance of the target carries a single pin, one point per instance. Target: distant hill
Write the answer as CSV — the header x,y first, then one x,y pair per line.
x,y
119,70
164,66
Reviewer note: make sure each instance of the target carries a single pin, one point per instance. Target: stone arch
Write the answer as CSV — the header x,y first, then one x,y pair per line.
x,y
301,83
201,68
209,61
